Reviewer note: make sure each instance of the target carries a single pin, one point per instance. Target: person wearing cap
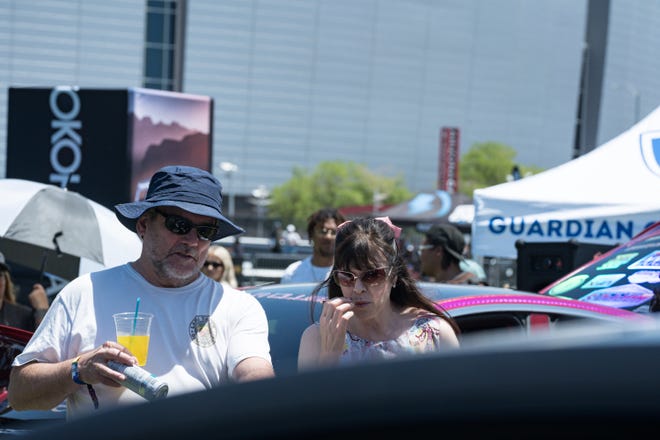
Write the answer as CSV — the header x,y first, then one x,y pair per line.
x,y
15,314
204,333
441,256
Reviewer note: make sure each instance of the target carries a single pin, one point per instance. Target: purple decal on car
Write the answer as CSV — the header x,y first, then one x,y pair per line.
x,y
628,295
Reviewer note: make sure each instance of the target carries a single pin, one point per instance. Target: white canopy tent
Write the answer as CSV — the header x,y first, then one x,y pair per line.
x,y
605,196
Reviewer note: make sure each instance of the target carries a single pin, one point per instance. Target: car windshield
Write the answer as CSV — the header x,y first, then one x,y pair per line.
x,y
626,277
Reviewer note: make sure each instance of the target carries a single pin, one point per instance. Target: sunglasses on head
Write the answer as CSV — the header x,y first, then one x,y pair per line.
x,y
368,277
213,264
181,226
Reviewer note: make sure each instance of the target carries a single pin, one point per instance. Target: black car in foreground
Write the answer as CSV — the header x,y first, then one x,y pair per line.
x,y
578,382
297,405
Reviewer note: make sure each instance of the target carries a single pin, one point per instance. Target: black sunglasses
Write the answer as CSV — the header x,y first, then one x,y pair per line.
x,y
368,277
181,226
213,264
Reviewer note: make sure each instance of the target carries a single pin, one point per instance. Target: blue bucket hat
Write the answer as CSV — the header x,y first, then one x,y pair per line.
x,y
189,188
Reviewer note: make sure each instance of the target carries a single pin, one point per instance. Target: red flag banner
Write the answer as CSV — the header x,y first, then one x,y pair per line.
x,y
448,160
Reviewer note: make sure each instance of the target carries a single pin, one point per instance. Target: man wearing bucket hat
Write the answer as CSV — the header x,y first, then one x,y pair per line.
x,y
441,256
203,334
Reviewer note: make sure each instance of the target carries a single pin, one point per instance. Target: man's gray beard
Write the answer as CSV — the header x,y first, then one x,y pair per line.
x,y
176,277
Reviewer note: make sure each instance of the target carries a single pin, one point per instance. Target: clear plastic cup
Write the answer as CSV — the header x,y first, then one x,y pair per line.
x,y
133,332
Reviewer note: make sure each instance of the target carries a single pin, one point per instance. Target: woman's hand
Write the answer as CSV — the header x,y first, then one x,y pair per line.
x,y
333,323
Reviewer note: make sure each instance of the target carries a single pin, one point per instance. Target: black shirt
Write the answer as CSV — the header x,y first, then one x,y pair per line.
x,y
17,315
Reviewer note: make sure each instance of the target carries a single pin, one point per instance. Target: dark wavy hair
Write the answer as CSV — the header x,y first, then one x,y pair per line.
x,y
363,244
319,217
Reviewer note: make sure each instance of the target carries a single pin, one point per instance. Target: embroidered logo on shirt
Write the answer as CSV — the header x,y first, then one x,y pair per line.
x,y
202,331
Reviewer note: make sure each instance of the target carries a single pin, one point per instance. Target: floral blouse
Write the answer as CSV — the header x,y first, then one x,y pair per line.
x,y
423,336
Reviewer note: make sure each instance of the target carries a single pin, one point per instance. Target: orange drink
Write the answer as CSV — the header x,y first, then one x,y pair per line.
x,y
138,345
133,332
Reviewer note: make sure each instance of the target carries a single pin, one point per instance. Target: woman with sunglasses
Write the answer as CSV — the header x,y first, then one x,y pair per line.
x,y
219,266
374,308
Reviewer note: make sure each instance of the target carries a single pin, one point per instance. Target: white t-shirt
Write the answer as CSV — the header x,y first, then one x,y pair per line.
x,y
303,271
199,333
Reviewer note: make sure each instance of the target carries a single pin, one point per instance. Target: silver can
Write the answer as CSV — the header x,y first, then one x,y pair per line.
x,y
141,381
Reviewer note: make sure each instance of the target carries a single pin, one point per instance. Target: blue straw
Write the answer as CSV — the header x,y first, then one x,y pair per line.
x,y
137,307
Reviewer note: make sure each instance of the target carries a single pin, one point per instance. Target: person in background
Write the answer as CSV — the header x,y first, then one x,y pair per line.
x,y
411,258
290,239
238,257
515,173
203,335
321,230
18,315
374,309
441,255
276,237
219,266
237,248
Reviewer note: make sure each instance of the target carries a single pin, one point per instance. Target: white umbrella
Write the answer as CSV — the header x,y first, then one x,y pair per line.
x,y
59,231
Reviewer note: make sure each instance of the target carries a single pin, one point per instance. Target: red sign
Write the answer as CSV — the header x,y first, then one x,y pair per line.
x,y
448,160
